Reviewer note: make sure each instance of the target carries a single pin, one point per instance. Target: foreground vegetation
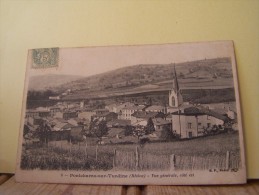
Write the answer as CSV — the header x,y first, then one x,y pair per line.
x,y
100,157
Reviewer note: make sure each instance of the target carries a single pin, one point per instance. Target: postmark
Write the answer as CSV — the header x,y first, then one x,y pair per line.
x,y
45,58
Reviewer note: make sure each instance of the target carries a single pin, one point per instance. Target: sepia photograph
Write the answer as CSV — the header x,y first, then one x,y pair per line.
x,y
148,114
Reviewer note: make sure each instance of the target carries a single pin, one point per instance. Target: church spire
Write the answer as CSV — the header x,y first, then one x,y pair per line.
x,y
175,82
175,96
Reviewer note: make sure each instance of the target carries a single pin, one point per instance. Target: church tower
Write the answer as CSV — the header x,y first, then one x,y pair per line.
x,y
175,96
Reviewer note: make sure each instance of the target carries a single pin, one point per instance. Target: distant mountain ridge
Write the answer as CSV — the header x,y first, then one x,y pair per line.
x,y
134,76
141,74
44,82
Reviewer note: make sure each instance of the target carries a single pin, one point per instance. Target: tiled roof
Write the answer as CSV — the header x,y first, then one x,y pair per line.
x,y
62,126
144,114
30,110
105,114
155,107
214,114
102,110
192,111
160,121
201,111
121,122
134,107
114,132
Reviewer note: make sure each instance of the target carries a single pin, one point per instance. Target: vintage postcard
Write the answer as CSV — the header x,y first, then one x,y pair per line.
x,y
132,115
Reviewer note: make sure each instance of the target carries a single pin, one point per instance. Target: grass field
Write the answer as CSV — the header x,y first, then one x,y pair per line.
x,y
199,146
79,157
202,153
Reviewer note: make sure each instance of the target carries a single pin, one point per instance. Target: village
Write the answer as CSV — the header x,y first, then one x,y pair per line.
x,y
128,122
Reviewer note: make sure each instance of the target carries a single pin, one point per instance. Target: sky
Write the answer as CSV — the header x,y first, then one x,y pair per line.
x,y
95,60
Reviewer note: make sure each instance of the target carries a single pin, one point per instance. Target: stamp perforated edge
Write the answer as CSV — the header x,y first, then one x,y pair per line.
x,y
45,58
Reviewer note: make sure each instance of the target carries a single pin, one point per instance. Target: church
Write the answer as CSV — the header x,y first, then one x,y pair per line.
x,y
175,97
189,120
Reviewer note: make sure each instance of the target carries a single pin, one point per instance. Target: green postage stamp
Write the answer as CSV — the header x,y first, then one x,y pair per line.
x,y
45,58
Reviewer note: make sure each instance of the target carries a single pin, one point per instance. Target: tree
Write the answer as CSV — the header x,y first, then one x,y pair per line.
x,y
149,102
26,130
138,131
128,130
150,128
166,133
102,129
44,132
100,104
98,128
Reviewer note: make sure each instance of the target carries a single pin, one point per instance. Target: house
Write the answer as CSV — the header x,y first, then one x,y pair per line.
x,y
105,116
116,133
160,124
156,108
54,97
168,117
43,113
86,114
62,127
53,110
78,121
117,108
82,104
73,105
72,121
112,107
139,116
129,110
101,111
228,109
194,122
54,121
35,120
140,124
119,123
61,131
31,113
66,114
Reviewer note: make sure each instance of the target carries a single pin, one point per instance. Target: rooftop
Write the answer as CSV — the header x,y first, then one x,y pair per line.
x,y
146,115
160,121
199,110
134,107
105,114
155,107
120,122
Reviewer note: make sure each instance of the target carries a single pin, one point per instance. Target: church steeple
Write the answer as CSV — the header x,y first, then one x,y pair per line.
x,y
175,81
175,97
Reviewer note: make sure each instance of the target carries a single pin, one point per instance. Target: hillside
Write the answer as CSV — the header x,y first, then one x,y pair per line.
x,y
143,74
44,82
137,79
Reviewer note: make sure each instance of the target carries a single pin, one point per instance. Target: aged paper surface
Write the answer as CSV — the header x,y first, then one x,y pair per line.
x,y
152,114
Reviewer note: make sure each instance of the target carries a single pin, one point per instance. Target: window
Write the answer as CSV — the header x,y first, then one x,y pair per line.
x,y
208,125
189,125
173,101
199,124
